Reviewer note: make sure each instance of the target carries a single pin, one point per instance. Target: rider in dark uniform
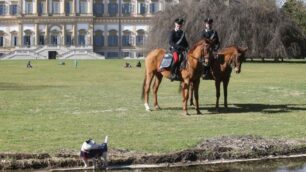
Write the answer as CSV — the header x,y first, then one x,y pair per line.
x,y
211,34
178,45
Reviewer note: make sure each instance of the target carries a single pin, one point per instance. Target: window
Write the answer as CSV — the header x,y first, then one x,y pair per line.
x,y
13,9
81,39
40,8
29,7
68,8
113,40
139,40
112,54
14,41
112,9
140,54
141,8
55,7
126,9
1,41
27,40
41,40
54,40
99,39
2,9
126,54
153,7
68,40
127,40
99,9
83,7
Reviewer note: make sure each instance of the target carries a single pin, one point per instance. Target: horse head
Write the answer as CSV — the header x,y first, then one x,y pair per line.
x,y
207,51
238,58
201,51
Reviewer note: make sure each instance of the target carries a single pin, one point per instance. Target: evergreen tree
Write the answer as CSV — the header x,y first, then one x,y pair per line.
x,y
296,10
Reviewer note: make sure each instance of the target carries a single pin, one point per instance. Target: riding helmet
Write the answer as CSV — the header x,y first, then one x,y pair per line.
x,y
208,20
179,21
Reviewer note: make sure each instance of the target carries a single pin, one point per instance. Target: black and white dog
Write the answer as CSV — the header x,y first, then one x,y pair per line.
x,y
97,152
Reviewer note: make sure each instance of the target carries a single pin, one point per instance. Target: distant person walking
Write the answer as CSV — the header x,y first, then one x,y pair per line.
x,y
138,64
29,66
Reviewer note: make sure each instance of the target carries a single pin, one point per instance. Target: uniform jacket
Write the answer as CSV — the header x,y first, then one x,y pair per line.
x,y
174,37
212,35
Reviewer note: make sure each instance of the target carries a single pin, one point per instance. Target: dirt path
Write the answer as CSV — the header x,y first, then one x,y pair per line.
x,y
223,148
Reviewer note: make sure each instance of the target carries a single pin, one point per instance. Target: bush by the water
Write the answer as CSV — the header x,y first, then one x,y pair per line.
x,y
260,25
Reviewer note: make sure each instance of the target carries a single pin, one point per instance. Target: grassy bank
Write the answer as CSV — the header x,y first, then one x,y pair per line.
x,y
53,107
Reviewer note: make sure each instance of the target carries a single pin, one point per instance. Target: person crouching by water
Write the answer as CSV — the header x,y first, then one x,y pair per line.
x,y
91,150
178,46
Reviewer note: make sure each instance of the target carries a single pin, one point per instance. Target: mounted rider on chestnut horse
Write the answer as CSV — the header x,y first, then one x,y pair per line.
x,y
221,67
200,53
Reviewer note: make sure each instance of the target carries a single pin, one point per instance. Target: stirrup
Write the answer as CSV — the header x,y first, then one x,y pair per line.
x,y
161,69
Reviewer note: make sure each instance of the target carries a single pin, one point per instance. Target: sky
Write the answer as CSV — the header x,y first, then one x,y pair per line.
x,y
281,2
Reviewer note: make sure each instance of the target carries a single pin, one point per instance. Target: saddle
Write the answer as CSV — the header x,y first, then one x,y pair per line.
x,y
167,61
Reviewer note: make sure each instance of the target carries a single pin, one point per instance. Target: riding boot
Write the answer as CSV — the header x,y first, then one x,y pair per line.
x,y
174,72
206,74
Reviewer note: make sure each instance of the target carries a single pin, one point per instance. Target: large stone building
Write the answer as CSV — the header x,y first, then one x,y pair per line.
x,y
63,29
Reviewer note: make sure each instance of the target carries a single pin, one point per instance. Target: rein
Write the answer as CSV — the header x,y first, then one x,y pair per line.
x,y
201,59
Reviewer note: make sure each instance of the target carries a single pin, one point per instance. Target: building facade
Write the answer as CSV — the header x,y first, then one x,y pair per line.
x,y
64,29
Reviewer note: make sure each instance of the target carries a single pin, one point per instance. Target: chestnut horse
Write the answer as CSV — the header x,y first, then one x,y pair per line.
x,y
197,55
221,68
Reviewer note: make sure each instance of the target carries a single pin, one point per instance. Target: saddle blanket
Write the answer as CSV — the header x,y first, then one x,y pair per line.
x,y
167,61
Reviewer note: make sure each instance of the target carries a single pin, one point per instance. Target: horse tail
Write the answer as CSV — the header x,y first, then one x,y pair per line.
x,y
143,85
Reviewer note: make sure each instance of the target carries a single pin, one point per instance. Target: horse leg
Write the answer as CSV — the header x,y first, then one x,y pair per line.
x,y
217,85
191,94
156,84
185,94
196,95
147,86
225,84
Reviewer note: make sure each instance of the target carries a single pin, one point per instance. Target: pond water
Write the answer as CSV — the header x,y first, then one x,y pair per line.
x,y
281,165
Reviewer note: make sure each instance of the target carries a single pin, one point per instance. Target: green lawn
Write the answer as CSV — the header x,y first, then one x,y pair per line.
x,y
53,107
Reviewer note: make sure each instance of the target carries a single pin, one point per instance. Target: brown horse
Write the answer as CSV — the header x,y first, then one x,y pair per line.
x,y
221,68
197,55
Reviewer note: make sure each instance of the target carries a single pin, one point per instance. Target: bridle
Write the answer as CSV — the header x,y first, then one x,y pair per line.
x,y
204,59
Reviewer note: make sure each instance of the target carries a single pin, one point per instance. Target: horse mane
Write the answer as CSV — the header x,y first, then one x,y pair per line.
x,y
196,45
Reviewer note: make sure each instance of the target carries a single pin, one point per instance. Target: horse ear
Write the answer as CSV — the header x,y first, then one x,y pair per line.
x,y
208,41
241,49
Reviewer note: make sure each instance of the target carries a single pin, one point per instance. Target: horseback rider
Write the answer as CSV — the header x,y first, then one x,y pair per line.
x,y
212,35
178,47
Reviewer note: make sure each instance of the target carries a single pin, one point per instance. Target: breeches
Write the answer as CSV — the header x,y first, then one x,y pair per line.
x,y
175,57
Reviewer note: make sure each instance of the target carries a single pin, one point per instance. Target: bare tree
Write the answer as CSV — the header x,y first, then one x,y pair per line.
x,y
260,25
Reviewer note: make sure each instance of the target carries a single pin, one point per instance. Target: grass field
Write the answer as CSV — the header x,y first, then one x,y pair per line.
x,y
53,107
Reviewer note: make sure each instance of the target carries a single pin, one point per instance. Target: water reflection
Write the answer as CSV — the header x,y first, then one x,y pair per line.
x,y
280,165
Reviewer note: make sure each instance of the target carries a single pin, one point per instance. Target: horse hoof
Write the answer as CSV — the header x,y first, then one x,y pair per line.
x,y
186,114
217,110
157,108
199,113
147,107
